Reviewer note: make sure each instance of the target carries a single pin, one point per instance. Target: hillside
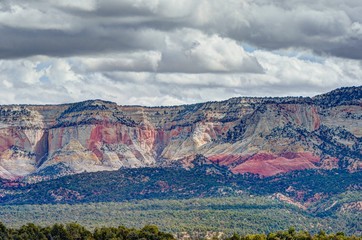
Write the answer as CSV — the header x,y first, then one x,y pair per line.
x,y
265,136
316,193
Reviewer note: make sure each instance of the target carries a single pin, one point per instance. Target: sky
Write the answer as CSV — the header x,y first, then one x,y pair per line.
x,y
170,52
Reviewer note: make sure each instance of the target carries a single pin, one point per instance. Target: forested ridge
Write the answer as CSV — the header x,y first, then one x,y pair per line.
x,y
204,180
207,198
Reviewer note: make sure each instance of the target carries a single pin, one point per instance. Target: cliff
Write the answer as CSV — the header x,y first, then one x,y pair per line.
x,y
265,136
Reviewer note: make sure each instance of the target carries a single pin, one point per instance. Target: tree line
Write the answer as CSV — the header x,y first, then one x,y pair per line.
x,y
292,234
75,231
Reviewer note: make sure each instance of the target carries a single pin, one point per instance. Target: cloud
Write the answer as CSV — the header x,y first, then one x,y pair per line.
x,y
182,51
21,43
53,80
194,52
70,28
158,52
145,61
331,29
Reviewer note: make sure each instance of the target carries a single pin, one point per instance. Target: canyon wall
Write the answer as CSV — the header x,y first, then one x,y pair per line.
x,y
265,136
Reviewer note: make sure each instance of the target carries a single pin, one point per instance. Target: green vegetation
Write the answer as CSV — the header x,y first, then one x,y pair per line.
x,y
204,180
74,231
292,234
205,198
244,215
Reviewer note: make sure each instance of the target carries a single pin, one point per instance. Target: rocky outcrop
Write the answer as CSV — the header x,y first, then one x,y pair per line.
x,y
288,200
265,136
352,207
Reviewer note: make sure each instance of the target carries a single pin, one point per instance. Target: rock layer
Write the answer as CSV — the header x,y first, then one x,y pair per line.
x,y
265,136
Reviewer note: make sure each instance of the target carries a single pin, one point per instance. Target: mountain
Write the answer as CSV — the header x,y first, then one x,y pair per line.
x,y
272,161
264,136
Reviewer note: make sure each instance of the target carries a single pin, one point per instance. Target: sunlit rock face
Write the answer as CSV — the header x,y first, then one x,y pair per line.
x,y
264,136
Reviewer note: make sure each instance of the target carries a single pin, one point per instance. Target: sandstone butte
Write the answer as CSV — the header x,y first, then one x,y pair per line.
x,y
264,136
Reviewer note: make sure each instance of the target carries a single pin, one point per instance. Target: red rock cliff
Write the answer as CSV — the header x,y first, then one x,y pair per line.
x,y
264,136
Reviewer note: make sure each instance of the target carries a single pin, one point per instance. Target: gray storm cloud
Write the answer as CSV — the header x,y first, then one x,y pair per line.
x,y
88,27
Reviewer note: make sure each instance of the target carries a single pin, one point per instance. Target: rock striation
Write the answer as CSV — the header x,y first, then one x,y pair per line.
x,y
265,136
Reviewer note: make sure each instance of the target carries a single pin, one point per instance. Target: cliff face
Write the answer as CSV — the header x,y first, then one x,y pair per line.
x,y
265,136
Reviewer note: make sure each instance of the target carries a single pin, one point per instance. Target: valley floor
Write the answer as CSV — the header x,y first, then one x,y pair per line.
x,y
245,215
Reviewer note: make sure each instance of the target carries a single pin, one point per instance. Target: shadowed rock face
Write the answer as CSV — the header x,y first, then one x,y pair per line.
x,y
265,136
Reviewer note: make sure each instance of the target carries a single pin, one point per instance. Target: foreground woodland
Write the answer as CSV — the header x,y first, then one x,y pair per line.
x,y
75,231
